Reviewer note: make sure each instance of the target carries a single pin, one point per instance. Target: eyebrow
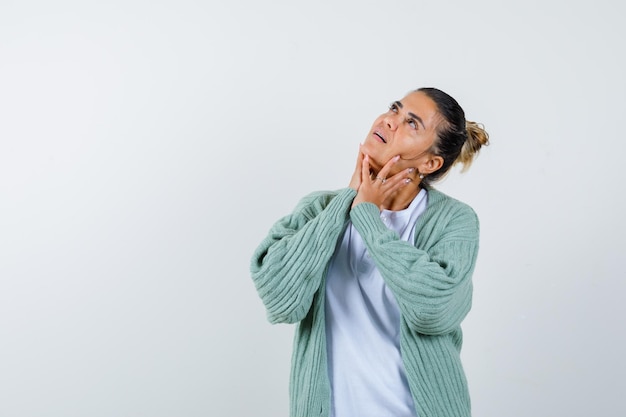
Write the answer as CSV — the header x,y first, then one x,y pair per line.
x,y
411,114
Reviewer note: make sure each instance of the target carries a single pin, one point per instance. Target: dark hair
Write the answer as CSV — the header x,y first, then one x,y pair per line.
x,y
457,140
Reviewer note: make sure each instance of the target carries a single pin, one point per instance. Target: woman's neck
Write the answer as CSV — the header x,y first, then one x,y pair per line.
x,y
404,197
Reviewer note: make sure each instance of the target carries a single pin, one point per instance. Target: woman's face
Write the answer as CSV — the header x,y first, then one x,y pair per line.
x,y
407,129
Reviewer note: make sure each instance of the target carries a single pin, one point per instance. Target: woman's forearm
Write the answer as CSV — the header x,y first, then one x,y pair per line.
x,y
432,285
288,266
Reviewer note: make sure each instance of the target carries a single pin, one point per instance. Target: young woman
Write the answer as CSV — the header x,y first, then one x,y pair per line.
x,y
378,275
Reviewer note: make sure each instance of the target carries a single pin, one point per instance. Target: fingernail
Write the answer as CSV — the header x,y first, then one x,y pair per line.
x,y
411,170
395,158
407,180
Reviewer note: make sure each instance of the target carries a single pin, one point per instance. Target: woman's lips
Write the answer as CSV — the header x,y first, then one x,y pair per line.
x,y
380,136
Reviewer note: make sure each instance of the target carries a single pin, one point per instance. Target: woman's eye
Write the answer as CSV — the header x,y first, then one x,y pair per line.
x,y
393,107
412,124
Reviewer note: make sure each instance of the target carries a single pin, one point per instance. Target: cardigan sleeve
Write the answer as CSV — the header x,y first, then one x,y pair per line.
x,y
288,266
432,285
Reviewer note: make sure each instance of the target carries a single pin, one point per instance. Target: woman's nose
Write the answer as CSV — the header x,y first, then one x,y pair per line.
x,y
391,122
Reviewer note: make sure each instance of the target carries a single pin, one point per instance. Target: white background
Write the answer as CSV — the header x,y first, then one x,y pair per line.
x,y
146,147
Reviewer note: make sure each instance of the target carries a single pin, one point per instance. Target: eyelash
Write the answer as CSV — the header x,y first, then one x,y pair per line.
x,y
393,107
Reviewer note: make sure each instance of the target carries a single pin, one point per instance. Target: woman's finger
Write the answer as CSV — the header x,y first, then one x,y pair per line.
x,y
355,181
399,180
384,172
365,168
359,158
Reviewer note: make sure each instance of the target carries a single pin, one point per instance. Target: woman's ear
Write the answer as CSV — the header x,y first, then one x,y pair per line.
x,y
431,165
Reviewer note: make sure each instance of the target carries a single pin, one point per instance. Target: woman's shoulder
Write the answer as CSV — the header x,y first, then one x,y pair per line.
x,y
314,203
439,197
445,205
321,198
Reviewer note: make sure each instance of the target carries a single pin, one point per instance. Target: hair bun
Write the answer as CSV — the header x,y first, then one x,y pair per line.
x,y
477,137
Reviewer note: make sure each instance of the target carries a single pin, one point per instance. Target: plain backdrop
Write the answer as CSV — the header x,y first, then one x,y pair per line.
x,y
146,148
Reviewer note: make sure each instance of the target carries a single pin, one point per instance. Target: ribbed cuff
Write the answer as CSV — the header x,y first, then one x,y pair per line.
x,y
366,218
342,201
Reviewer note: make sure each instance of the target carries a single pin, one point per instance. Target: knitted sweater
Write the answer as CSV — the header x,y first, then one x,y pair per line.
x,y
431,281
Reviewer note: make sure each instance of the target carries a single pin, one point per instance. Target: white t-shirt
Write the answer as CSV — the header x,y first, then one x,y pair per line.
x,y
363,327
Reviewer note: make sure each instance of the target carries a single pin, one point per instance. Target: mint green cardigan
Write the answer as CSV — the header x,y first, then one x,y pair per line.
x,y
431,281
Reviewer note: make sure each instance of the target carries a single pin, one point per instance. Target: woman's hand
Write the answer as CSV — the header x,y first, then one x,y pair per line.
x,y
380,190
